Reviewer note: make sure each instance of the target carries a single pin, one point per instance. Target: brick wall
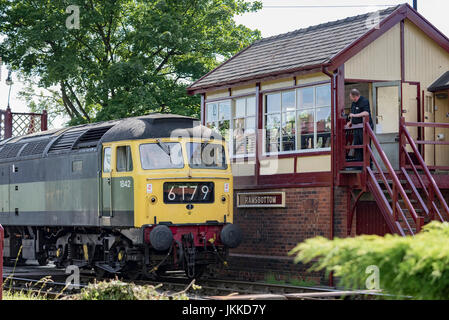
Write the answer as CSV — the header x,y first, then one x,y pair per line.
x,y
269,234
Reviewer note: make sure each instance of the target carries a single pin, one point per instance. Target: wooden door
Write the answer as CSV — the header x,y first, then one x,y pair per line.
x,y
369,219
386,110
410,109
429,133
442,134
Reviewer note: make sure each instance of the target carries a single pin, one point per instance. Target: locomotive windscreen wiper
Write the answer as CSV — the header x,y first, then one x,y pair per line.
x,y
163,146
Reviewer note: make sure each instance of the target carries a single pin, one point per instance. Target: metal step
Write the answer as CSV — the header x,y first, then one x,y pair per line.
x,y
391,181
406,191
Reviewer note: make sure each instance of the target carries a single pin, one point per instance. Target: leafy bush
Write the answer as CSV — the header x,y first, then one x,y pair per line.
x,y
118,290
408,266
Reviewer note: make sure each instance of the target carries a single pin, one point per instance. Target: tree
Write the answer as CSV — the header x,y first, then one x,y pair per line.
x,y
406,267
127,57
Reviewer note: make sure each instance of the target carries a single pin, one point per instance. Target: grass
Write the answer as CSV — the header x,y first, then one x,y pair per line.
x,y
22,295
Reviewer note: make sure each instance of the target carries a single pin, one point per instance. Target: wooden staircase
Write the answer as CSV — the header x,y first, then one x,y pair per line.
x,y
409,198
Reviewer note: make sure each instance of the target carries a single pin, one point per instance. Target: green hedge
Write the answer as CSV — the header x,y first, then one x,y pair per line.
x,y
408,266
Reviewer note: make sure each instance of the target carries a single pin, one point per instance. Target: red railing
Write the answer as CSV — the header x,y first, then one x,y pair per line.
x,y
393,213
2,235
431,191
421,126
18,124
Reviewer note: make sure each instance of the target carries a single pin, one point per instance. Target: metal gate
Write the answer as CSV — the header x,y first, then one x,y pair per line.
x,y
13,124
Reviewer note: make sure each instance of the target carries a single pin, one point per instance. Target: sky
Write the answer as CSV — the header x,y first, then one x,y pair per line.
x,y
281,16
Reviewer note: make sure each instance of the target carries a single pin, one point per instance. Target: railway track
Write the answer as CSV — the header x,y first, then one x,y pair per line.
x,y
51,282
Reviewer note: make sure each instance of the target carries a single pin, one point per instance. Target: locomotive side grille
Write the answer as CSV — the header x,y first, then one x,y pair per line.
x,y
91,137
10,150
66,141
36,147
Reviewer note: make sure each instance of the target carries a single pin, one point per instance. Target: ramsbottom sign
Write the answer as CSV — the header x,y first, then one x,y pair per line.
x,y
261,199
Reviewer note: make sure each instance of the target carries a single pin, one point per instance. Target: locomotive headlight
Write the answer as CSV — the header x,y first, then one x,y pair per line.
x,y
223,198
153,200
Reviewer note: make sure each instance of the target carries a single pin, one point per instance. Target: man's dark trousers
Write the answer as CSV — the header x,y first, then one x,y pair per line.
x,y
358,140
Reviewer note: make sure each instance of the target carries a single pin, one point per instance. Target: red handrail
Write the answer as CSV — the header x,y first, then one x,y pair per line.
x,y
434,188
2,235
397,186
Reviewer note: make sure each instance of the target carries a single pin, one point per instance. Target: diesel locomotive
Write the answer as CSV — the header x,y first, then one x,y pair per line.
x,y
136,196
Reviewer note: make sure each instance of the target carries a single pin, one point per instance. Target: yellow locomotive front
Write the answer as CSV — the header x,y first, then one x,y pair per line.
x,y
183,201
183,181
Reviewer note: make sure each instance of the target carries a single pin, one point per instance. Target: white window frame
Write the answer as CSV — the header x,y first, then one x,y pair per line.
x,y
232,102
297,151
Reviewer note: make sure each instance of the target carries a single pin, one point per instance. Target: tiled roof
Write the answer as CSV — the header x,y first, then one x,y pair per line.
x,y
441,83
311,46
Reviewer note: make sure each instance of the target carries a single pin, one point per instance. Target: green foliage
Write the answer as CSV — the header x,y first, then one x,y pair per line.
x,y
22,295
408,266
118,290
127,58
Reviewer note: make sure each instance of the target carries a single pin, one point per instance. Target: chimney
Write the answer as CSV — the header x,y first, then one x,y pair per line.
x,y
415,5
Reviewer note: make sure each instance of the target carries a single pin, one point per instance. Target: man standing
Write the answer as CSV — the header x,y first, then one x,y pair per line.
x,y
360,108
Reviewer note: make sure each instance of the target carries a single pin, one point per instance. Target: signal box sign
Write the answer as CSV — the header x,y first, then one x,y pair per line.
x,y
261,200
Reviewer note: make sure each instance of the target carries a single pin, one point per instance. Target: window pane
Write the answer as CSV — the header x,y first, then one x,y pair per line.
x,y
239,108
306,129
250,141
211,112
288,101
124,160
273,124
288,131
224,119
250,134
323,96
323,119
323,126
251,106
223,128
165,156
305,98
225,111
239,136
273,103
107,160
250,123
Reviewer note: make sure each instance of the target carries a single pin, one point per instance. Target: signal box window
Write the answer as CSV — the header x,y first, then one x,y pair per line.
x,y
124,159
107,160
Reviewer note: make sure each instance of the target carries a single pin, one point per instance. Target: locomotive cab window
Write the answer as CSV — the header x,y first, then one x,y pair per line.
x,y
124,159
206,155
107,160
161,155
